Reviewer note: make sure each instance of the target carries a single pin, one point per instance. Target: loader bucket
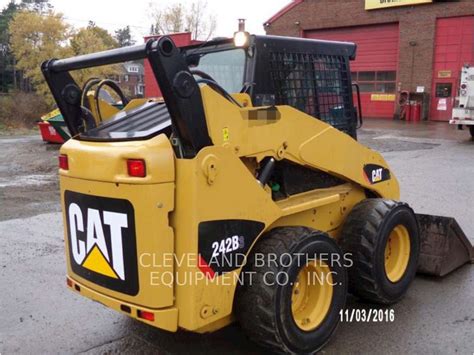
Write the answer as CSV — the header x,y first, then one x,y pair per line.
x,y
444,246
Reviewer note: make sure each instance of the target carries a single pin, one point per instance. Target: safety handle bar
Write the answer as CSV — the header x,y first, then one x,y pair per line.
x,y
112,56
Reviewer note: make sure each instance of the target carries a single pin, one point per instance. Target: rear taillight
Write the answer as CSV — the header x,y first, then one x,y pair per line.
x,y
63,162
146,315
136,167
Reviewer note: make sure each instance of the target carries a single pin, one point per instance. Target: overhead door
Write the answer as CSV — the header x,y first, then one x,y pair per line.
x,y
454,47
375,68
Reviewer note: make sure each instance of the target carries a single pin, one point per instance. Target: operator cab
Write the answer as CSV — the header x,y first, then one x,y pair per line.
x,y
312,76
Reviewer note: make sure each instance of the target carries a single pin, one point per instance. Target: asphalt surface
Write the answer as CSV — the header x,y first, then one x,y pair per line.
x,y
433,162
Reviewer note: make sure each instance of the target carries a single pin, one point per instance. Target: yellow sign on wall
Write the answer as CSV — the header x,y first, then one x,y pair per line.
x,y
445,74
382,97
382,4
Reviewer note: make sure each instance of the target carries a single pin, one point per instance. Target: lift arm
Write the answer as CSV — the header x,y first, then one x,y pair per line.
x,y
180,90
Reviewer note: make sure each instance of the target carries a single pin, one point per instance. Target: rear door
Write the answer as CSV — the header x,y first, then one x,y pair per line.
x,y
443,101
118,236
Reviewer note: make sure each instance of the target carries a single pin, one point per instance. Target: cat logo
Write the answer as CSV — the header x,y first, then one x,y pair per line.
x,y
102,246
93,254
375,174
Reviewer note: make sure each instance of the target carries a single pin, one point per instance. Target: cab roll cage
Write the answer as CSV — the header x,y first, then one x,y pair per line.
x,y
179,88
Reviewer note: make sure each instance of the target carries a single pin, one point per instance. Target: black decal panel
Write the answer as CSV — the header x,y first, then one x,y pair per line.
x,y
376,173
223,244
102,241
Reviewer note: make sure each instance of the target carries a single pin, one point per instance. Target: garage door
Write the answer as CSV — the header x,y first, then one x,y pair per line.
x,y
375,67
454,48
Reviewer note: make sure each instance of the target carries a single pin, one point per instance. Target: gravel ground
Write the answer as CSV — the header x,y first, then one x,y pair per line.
x,y
28,177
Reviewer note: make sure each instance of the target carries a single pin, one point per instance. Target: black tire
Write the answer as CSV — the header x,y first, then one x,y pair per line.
x,y
471,130
265,311
364,235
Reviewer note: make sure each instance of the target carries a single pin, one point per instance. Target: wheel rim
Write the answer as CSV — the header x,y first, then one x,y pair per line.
x,y
397,253
312,295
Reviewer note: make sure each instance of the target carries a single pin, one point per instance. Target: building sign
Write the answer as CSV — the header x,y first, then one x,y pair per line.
x,y
445,74
382,4
382,97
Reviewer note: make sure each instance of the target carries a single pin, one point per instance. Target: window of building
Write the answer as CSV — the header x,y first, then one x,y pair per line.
x,y
125,78
133,69
366,76
376,81
444,89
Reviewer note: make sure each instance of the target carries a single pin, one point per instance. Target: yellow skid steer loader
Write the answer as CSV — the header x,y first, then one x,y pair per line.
x,y
242,195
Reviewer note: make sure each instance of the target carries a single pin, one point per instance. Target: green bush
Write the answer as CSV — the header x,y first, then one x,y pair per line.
x,y
21,110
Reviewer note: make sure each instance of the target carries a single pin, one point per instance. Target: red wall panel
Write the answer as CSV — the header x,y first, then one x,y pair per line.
x,y
377,50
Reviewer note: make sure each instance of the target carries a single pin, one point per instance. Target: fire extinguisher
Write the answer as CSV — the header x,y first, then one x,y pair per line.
x,y
415,110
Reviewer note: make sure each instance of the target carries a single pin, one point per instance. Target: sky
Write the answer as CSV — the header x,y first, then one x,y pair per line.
x,y
113,14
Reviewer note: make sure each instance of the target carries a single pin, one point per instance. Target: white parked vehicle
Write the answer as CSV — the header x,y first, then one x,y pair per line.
x,y
463,111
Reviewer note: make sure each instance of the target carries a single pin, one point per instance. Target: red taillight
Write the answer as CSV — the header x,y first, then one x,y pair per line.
x,y
63,162
69,282
136,167
146,315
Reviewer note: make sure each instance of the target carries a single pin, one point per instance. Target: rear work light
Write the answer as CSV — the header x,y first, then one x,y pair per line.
x,y
63,162
146,315
136,167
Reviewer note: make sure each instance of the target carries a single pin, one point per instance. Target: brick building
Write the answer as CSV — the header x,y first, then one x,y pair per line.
x,y
132,79
417,46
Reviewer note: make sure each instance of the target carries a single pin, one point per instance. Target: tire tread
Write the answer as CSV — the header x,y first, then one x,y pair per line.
x,y
254,304
359,237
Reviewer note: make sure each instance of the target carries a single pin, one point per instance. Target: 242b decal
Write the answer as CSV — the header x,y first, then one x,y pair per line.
x,y
228,245
222,244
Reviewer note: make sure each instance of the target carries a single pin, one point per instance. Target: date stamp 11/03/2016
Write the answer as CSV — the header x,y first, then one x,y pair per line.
x,y
367,315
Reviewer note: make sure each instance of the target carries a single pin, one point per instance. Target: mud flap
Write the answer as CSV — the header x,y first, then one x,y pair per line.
x,y
444,246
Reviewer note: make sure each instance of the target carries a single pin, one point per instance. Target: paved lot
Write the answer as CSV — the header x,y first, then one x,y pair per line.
x,y
435,166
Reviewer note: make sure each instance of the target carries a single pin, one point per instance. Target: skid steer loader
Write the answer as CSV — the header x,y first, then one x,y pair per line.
x,y
242,194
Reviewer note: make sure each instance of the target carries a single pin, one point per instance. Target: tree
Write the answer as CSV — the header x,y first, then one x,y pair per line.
x,y
107,39
9,76
123,36
201,25
90,40
39,6
7,70
177,18
5,17
34,38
